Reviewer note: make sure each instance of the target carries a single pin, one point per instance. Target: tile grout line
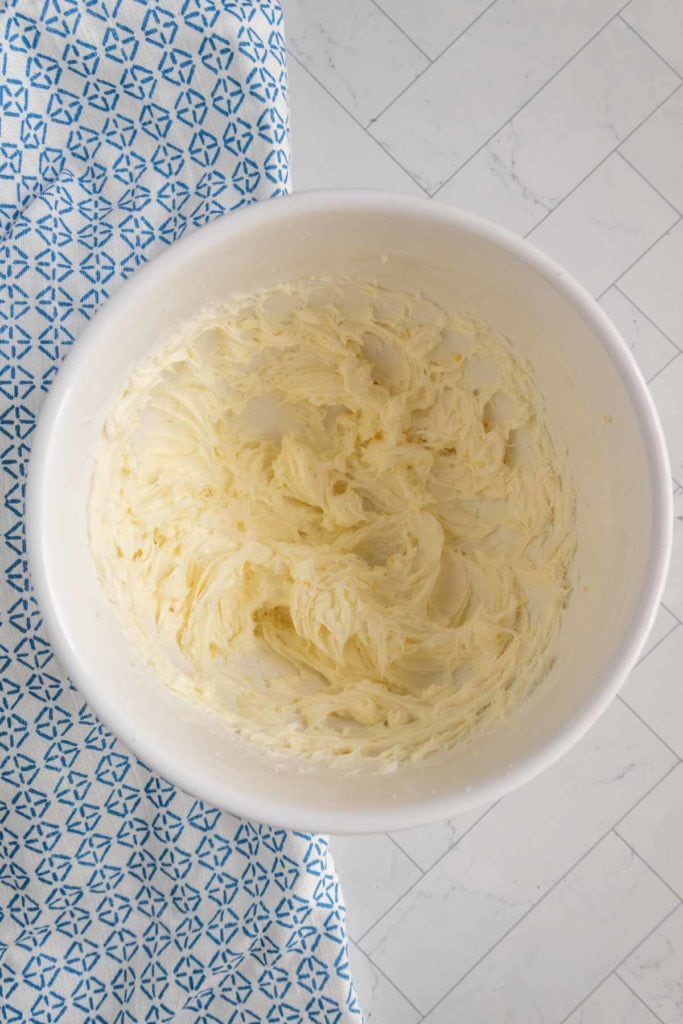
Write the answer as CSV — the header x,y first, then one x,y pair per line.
x,y
646,180
387,979
645,43
442,855
632,990
643,313
599,164
421,73
654,647
424,872
402,31
618,288
644,658
405,854
633,850
353,117
527,102
640,257
434,194
614,970
451,847
465,29
398,95
666,608
667,364
643,722
661,369
551,889
431,868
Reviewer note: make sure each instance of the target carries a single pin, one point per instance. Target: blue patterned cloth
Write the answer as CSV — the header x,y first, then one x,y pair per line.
x,y
126,123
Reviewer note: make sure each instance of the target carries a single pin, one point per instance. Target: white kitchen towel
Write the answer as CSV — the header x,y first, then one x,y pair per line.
x,y
126,123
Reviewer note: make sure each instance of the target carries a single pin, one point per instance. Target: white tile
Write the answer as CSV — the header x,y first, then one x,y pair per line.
x,y
660,22
330,149
433,24
603,226
354,50
612,1003
655,284
374,873
380,1001
673,592
564,132
482,80
566,945
428,843
663,625
655,690
506,863
650,347
655,829
667,391
655,970
656,149
489,186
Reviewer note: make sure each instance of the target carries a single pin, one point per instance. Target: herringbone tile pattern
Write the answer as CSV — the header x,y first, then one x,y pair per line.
x,y
562,120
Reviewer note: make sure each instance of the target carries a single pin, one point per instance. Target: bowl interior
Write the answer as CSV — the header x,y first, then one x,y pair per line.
x,y
596,405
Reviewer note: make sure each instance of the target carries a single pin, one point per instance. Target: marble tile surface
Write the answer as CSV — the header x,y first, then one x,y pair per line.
x,y
667,390
664,624
613,1001
673,592
432,24
600,229
516,853
655,285
613,84
425,845
354,50
563,120
375,873
652,349
655,970
481,81
660,23
654,829
656,149
655,690
382,1002
332,150
540,971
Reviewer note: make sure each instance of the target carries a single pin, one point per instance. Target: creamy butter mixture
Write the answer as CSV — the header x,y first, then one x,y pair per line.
x,y
348,532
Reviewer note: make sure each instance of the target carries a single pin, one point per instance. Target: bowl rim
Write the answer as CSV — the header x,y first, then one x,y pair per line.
x,y
296,815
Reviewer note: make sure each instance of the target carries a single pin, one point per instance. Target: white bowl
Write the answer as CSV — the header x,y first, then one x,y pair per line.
x,y
597,403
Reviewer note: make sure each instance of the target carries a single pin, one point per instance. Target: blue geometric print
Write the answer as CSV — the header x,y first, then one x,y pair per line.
x,y
126,123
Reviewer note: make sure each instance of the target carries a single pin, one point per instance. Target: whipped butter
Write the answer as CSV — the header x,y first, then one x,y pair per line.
x,y
336,516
